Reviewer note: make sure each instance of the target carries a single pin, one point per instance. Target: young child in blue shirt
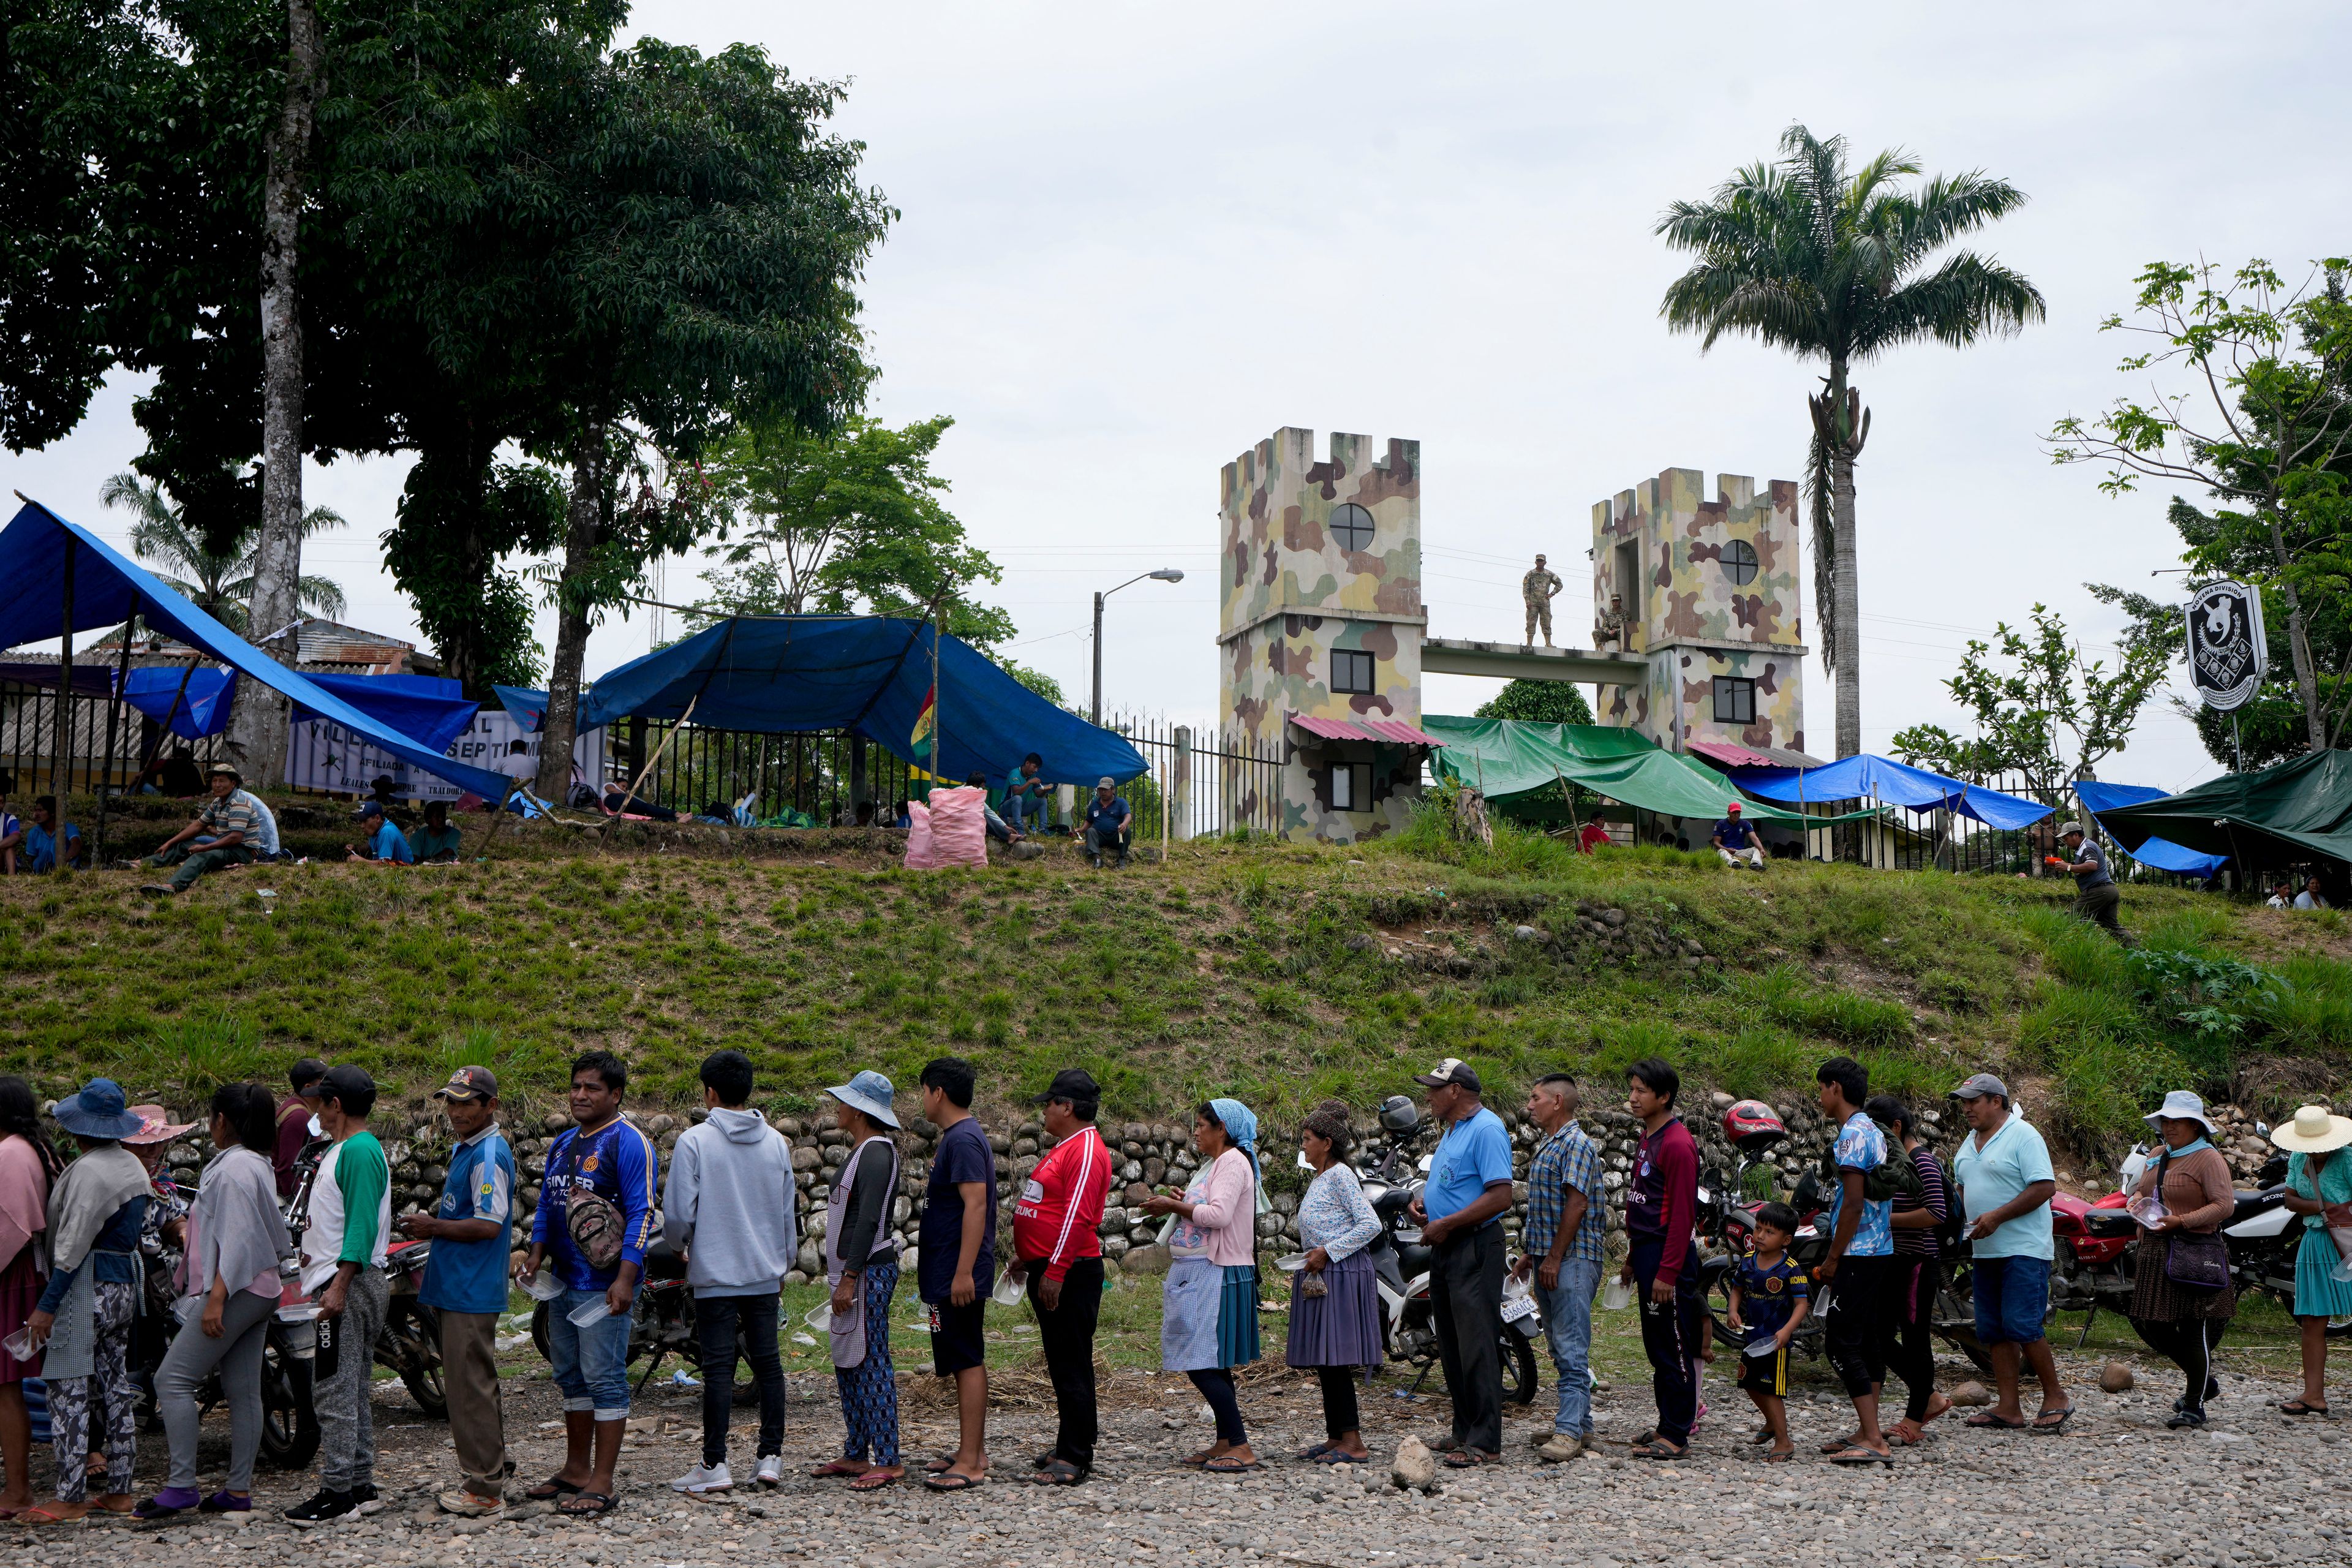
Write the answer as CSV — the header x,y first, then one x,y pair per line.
x,y
1768,1298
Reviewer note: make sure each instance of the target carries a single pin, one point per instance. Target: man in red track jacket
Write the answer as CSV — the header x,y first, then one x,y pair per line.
x,y
1053,1225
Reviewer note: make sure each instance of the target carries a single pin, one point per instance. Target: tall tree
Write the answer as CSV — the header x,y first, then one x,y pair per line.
x,y
2262,419
257,732
1840,266
711,232
219,583
1538,701
2042,707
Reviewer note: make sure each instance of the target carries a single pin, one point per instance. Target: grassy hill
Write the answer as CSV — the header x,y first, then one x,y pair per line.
x,y
1280,974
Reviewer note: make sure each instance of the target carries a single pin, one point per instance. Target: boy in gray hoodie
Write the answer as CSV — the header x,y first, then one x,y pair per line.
x,y
729,1211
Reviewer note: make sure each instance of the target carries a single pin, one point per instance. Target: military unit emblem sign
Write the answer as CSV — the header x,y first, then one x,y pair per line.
x,y
2227,655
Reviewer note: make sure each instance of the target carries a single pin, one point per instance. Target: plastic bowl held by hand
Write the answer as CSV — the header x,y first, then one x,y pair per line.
x,y
1291,1263
820,1317
543,1286
589,1313
1008,1291
1762,1346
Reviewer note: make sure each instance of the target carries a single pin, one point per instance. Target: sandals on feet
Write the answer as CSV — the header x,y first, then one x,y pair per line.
x,y
1858,1454
1226,1464
1987,1420
2302,1406
2050,1423
830,1468
1471,1458
1659,1448
1058,1472
875,1480
950,1481
551,1488
584,1504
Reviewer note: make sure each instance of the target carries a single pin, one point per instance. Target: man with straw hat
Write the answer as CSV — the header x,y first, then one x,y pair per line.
x,y
2319,1188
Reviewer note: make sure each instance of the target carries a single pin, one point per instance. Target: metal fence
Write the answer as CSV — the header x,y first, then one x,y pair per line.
x,y
28,715
1201,785
814,779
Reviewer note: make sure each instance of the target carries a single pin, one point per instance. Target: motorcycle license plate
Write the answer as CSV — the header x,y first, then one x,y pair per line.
x,y
1517,1308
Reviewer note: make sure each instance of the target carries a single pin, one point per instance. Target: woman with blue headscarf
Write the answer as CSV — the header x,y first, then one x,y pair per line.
x,y
1209,1318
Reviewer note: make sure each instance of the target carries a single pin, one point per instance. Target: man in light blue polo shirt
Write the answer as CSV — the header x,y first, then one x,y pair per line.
x,y
1469,1188
2002,1169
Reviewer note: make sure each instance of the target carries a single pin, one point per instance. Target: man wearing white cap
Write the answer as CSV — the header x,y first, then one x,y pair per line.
x,y
1110,823
2319,1188
2003,1170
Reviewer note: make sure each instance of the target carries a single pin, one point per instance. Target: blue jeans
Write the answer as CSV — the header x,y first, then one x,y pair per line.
x,y
590,1364
1020,810
2012,1298
1567,1325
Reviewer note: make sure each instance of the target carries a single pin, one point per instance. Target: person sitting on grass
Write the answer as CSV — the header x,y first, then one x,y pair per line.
x,y
1110,823
1767,1301
47,843
385,843
223,835
1735,839
1595,835
1026,793
436,841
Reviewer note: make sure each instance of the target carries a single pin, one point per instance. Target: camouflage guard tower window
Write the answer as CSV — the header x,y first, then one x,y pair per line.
x,y
1735,700
1739,561
1352,527
1352,670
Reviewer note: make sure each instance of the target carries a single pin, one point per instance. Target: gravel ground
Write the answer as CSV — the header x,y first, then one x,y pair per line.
x,y
2118,1488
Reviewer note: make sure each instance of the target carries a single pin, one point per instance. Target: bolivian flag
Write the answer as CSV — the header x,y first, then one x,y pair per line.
x,y
924,739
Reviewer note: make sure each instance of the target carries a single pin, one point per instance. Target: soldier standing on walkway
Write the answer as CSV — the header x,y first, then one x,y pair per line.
x,y
1537,587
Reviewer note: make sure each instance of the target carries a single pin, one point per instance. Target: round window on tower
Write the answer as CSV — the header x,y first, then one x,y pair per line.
x,y
1351,526
1739,561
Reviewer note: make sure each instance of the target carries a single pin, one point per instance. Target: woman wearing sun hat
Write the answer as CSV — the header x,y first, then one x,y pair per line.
x,y
2319,1183
861,1262
2177,1305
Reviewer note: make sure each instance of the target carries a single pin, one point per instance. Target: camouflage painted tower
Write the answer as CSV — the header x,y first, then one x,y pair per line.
x,y
1321,631
1710,597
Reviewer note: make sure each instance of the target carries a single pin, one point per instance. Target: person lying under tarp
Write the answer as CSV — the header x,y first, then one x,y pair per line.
x,y
227,832
996,826
619,802
386,842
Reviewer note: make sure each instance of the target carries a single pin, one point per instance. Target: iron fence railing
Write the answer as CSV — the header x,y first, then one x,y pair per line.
x,y
1201,785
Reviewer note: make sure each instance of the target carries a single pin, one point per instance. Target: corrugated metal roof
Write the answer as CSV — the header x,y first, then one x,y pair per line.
x,y
1394,732
1731,755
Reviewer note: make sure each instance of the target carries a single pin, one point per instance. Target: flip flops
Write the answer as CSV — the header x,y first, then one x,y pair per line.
x,y
2051,1423
948,1481
1991,1422
830,1468
1659,1448
1858,1454
1058,1472
547,1490
874,1481
2302,1406
583,1504
1226,1464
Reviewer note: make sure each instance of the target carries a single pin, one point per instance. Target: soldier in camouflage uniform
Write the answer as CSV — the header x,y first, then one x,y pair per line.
x,y
1537,587
1609,631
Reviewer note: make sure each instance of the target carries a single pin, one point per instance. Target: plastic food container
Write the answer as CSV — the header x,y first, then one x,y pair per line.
x,y
542,1286
1008,1291
819,1318
590,1312
1616,1296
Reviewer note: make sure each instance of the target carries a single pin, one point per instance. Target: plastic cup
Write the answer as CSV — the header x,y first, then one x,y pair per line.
x,y
19,1344
589,1313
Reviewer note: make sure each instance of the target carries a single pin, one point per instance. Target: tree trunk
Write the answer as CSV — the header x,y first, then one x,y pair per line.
x,y
1849,606
580,541
2306,679
258,736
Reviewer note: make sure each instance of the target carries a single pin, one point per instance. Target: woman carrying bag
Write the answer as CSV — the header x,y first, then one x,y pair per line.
x,y
2319,1184
861,1262
1209,1314
228,1290
2181,1294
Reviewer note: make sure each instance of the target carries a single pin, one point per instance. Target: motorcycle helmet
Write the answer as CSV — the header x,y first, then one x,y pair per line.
x,y
1751,1126
1400,1114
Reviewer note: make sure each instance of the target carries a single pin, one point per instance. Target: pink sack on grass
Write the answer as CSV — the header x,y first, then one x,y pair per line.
x,y
959,827
918,838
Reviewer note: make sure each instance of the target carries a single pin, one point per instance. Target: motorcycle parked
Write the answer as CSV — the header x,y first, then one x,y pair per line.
x,y
661,1319
1727,1223
1401,1265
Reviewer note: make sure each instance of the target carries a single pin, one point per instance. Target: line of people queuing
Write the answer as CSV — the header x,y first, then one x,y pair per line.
x,y
73,1236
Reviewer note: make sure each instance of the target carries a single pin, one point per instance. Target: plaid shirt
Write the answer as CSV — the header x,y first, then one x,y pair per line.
x,y
232,812
1566,1159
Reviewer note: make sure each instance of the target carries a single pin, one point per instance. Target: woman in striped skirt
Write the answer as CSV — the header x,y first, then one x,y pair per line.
x,y
1209,1322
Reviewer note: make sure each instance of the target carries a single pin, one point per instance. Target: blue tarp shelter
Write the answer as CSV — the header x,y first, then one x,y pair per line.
x,y
108,589
2161,853
432,710
868,673
528,708
1896,784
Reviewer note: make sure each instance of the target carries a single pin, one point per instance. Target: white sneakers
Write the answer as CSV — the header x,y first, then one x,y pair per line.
x,y
771,1472
704,1480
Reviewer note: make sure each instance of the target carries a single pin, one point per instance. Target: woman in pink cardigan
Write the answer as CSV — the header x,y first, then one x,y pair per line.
x,y
1209,1322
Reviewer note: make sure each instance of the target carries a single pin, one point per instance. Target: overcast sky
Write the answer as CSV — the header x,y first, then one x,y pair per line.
x,y
1136,239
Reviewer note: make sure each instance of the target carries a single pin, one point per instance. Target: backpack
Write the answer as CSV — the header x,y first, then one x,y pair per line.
x,y
1894,1180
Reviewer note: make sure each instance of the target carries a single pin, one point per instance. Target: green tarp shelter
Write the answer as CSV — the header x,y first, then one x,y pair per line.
x,y
2290,811
1505,757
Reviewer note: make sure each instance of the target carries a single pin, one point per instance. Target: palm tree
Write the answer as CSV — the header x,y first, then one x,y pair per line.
x,y
220,586
1827,262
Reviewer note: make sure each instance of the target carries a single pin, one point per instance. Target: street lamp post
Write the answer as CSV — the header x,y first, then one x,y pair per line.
x,y
1165,574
